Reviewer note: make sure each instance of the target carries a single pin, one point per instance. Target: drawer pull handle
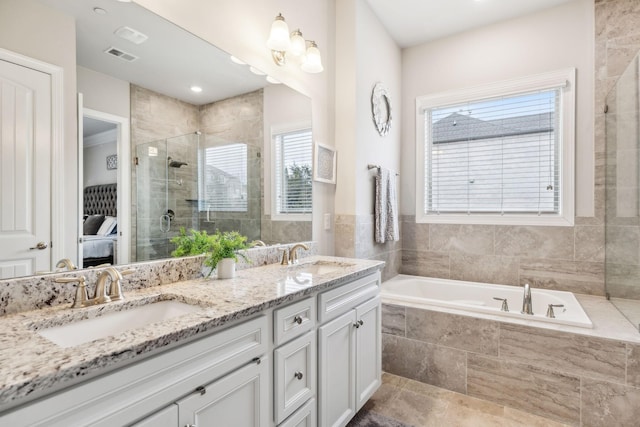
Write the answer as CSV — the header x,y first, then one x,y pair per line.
x,y
256,360
358,324
298,375
298,320
201,390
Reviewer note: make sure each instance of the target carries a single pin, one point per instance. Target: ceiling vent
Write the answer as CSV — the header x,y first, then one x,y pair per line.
x,y
129,34
114,51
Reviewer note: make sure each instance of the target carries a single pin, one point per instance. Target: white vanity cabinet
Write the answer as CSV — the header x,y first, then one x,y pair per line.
x,y
349,349
313,362
138,390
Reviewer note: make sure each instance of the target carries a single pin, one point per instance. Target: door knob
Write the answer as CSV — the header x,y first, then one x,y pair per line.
x,y
40,246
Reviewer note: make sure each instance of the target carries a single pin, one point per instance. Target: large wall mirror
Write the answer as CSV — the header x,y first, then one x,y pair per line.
x,y
234,155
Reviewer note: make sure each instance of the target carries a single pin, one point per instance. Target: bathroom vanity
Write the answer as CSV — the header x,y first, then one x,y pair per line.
x,y
276,346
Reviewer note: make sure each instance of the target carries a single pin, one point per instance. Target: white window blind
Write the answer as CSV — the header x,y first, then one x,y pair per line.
x,y
293,179
224,183
500,155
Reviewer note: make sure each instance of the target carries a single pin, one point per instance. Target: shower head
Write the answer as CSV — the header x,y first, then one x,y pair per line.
x,y
175,163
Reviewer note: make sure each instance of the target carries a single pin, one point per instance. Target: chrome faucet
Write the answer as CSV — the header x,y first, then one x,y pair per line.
x,y
293,252
526,300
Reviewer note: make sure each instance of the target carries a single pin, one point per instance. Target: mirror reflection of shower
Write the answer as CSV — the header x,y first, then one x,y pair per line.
x,y
166,189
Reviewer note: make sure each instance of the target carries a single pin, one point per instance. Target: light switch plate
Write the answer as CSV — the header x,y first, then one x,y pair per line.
x,y
327,221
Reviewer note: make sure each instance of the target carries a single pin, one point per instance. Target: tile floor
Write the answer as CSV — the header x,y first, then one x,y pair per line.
x,y
401,402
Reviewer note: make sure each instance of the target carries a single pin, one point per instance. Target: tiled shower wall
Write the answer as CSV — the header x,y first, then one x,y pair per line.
x,y
155,116
547,257
618,36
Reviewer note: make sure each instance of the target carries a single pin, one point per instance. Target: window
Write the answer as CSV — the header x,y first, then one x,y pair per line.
x,y
498,154
224,180
292,174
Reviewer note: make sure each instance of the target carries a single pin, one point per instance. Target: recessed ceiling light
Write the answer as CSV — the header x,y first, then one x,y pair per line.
x,y
273,81
257,72
196,89
237,61
99,11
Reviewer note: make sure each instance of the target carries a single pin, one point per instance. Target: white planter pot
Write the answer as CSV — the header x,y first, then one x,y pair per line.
x,y
226,268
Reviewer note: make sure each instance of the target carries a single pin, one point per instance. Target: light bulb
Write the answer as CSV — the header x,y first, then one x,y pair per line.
x,y
298,44
279,37
313,60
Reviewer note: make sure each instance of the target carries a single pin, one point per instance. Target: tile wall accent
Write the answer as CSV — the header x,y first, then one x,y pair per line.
x,y
355,239
562,258
35,292
574,379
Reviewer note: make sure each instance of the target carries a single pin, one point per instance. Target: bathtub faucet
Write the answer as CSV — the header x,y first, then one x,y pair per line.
x,y
526,301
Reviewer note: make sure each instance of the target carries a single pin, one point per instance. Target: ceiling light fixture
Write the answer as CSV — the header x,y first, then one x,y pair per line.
x,y
273,81
196,89
282,42
237,61
257,72
99,11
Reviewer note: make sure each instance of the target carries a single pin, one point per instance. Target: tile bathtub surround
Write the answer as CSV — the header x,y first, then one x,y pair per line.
x,y
34,292
573,378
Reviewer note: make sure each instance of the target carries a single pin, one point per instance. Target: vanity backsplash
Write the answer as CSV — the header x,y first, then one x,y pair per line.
x,y
34,292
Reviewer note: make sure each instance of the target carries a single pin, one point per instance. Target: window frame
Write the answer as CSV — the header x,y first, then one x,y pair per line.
x,y
278,130
563,79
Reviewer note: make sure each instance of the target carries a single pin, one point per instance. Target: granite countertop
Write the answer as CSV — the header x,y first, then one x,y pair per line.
x,y
32,365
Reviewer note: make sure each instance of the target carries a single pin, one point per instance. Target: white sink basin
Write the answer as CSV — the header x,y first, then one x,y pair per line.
x,y
321,267
114,323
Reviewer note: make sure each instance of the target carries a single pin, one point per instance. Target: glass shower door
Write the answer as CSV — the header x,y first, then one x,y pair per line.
x,y
166,193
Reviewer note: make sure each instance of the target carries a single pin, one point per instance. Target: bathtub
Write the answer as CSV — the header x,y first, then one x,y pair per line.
x,y
478,297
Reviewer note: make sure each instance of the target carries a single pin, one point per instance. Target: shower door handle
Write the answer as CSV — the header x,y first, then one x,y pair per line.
x,y
166,218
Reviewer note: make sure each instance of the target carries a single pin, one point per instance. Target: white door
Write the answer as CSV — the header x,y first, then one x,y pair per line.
x,y
336,371
368,350
25,176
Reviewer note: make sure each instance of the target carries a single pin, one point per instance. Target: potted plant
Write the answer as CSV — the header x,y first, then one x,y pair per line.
x,y
221,250
224,253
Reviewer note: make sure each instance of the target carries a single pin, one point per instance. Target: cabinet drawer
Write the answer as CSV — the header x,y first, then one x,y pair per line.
x,y
294,375
303,417
335,302
293,320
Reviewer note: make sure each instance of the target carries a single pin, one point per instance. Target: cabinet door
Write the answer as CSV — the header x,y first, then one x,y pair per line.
x,y
294,375
303,417
336,370
167,417
369,351
240,399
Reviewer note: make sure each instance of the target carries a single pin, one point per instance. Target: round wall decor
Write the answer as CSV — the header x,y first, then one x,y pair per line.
x,y
381,108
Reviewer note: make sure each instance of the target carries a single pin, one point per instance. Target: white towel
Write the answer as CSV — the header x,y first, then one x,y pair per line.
x,y
386,209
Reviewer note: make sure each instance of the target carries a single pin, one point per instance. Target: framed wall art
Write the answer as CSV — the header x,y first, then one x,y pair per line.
x,y
324,166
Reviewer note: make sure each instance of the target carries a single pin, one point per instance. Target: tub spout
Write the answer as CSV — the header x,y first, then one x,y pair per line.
x,y
526,300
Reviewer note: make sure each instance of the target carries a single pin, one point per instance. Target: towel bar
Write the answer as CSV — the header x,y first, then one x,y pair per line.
x,y
370,166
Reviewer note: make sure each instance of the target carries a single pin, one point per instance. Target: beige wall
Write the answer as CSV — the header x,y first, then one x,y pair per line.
x,y
103,93
36,31
568,258
366,54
